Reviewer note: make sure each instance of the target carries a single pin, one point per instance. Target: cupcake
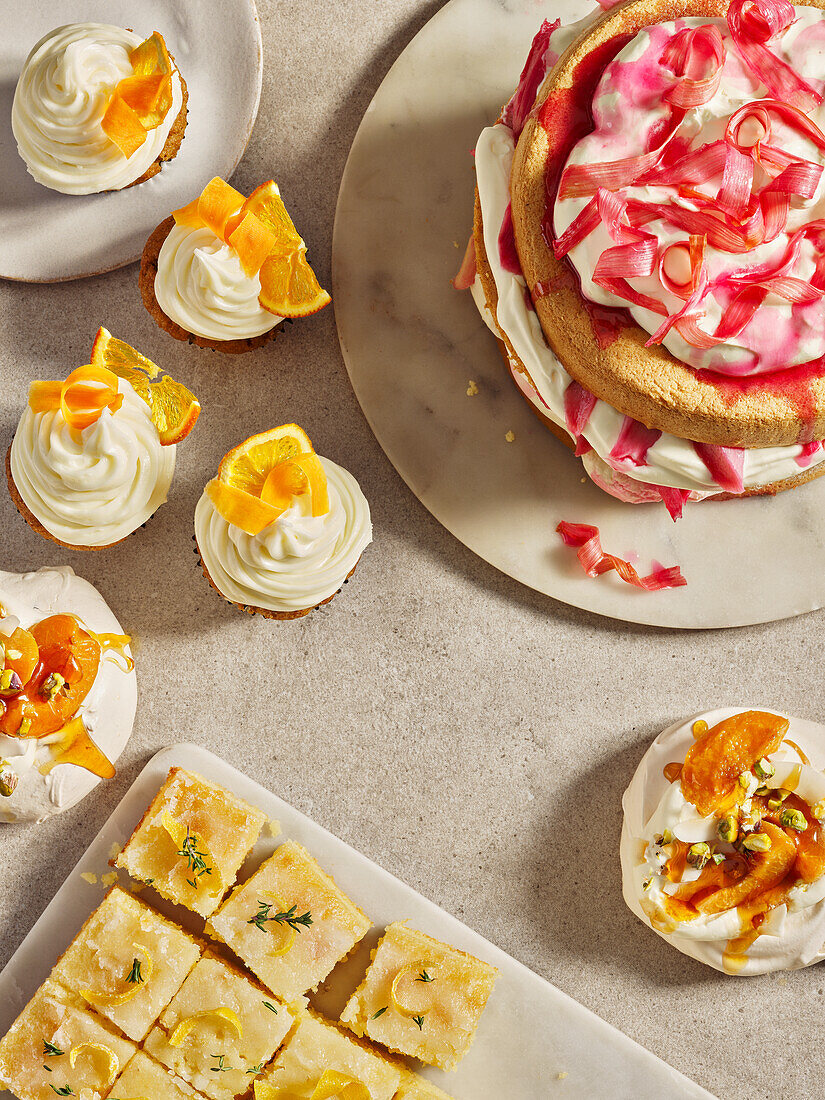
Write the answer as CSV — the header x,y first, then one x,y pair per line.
x,y
722,850
654,276
67,692
97,108
280,529
225,271
93,457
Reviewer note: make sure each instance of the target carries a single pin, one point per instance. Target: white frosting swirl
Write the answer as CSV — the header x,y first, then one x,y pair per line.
x,y
299,560
671,460
201,286
794,933
108,710
95,486
59,104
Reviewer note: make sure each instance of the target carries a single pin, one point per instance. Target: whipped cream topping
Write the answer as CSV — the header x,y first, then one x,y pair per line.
x,y
201,286
108,711
59,104
671,460
629,109
299,560
793,935
92,487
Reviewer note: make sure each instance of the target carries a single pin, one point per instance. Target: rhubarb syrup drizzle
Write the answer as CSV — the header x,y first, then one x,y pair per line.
x,y
566,117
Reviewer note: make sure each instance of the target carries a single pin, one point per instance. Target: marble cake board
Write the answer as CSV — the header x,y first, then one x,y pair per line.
x,y
48,237
533,1040
412,344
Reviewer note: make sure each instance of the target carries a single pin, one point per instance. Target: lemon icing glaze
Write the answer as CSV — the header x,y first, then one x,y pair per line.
x,y
671,460
92,487
108,710
59,104
629,108
295,562
793,934
201,286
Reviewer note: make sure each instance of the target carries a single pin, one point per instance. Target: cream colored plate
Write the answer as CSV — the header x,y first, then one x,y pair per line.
x,y
47,237
411,344
530,1031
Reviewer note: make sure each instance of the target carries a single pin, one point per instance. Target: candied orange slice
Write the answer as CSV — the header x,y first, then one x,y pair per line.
x,y
247,466
21,653
97,1051
81,398
140,102
766,870
410,991
303,474
67,649
174,408
289,287
220,1015
716,760
132,983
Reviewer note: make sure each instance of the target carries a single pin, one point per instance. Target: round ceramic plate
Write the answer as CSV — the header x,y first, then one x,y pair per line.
x,y
46,236
412,345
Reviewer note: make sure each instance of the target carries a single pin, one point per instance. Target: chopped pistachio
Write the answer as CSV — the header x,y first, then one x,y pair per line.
x,y
8,779
10,682
718,858
764,768
24,727
793,819
727,828
698,855
761,791
777,798
667,836
645,885
757,842
53,683
745,779
818,810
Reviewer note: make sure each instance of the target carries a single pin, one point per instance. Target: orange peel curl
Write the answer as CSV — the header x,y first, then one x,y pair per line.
x,y
81,398
140,102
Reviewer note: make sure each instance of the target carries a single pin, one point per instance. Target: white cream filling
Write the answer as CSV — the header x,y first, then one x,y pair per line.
x,y
95,486
671,461
201,286
59,104
780,334
794,934
296,562
108,710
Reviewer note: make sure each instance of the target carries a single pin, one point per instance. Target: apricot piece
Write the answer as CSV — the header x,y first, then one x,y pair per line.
x,y
767,869
715,762
68,650
21,653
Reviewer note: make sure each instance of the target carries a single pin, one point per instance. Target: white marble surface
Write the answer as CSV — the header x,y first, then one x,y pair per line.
x,y
412,343
468,734
45,236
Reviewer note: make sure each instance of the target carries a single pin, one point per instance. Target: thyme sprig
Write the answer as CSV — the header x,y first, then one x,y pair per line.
x,y
264,914
195,860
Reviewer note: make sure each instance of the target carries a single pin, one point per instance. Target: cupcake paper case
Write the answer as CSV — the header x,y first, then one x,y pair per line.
x,y
93,457
225,271
280,529
98,108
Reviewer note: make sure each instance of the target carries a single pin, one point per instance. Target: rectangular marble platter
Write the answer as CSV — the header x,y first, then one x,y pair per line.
x,y
533,1042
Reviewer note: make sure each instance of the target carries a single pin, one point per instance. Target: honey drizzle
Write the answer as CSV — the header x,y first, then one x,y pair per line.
x,y
672,772
797,750
74,746
115,644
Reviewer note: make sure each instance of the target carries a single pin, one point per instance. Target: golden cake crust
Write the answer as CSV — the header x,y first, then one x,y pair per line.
x,y
648,384
35,523
508,353
148,271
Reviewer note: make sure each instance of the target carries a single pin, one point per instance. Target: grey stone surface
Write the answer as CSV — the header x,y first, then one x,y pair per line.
x,y
469,735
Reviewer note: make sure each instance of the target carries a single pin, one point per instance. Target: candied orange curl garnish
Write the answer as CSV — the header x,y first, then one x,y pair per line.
x,y
262,234
81,398
258,480
140,102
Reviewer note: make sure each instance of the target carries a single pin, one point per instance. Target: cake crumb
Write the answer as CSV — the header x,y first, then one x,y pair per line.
x,y
561,1076
472,388
89,876
108,879
274,827
136,887
115,850
510,437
